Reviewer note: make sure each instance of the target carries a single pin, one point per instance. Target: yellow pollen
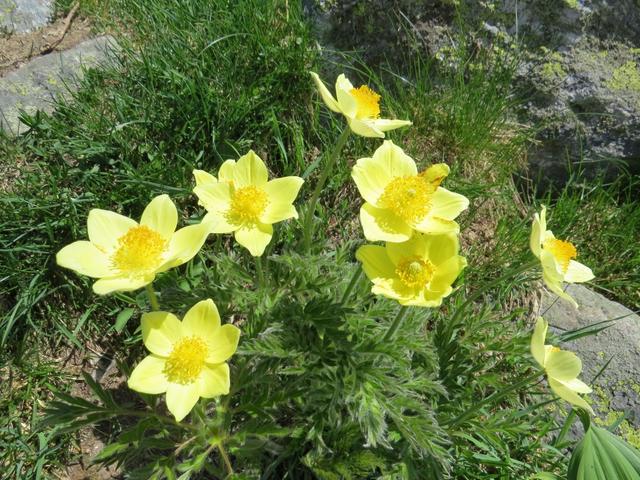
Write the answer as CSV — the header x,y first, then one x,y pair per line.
x,y
367,101
555,349
415,272
562,251
407,197
139,251
247,204
186,360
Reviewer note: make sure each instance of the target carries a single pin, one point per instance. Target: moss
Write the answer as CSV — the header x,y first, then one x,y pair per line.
x,y
626,77
602,403
553,69
572,3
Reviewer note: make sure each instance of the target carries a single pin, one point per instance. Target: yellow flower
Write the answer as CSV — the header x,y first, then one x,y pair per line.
x,y
242,201
561,366
125,255
360,106
556,257
417,272
400,200
187,358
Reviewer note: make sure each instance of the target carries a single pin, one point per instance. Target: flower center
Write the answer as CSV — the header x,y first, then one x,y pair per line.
x,y
247,204
139,251
408,197
562,251
367,101
186,360
415,272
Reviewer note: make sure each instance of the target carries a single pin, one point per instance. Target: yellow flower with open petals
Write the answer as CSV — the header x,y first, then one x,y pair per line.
x,y
561,366
400,200
360,106
417,272
242,200
556,257
125,255
187,358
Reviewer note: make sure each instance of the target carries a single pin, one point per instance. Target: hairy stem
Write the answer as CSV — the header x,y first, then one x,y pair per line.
x,y
396,323
153,299
328,167
352,284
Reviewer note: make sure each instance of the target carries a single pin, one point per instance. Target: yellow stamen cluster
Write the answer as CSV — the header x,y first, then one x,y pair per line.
x,y
562,251
407,197
186,360
247,204
415,272
139,250
368,102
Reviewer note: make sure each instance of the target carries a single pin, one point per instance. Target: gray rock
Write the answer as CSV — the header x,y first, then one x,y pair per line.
x,y
20,16
617,390
34,86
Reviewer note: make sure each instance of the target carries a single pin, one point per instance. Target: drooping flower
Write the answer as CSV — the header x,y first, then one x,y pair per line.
x,y
360,106
399,200
187,358
561,367
242,200
126,255
556,257
418,272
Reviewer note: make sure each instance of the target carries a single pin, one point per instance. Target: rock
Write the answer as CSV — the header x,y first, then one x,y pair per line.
x,y
617,389
20,16
34,86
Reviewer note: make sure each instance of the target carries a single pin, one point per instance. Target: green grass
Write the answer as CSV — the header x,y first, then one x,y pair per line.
x,y
202,81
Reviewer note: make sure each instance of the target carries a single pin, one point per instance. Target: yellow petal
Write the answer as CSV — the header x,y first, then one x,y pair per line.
x,y
254,238
105,228
214,380
281,192
250,170
223,343
537,340
447,205
215,197
556,287
550,266
562,365
372,175
382,225
160,331
364,128
225,172
121,284
384,125
185,244
182,398
219,223
346,103
576,385
161,215
148,376
446,273
436,173
327,98
204,178
535,240
375,262
202,320
85,258
387,289
578,273
436,226
569,395
441,247
416,246
425,298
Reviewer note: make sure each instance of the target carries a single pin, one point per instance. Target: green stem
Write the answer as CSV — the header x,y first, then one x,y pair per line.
x,y
352,284
153,299
396,323
225,457
491,399
328,168
511,273
260,272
